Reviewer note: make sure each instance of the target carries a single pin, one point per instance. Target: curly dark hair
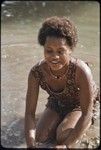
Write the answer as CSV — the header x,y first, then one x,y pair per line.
x,y
58,27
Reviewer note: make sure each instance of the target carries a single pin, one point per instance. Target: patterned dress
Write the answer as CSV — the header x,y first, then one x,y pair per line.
x,y
68,100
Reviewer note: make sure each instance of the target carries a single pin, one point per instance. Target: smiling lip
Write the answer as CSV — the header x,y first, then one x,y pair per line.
x,y
55,62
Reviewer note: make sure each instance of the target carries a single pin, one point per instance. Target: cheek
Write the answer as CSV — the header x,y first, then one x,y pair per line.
x,y
64,58
46,56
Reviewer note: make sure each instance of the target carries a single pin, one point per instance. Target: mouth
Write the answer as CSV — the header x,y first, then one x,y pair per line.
x,y
54,62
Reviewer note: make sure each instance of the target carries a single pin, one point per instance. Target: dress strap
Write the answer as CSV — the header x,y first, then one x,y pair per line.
x,y
37,71
71,71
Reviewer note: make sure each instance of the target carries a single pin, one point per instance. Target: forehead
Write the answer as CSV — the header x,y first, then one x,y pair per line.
x,y
55,41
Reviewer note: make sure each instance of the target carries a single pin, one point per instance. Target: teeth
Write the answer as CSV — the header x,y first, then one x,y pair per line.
x,y
55,62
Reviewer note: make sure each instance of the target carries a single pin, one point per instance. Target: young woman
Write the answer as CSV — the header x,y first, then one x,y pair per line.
x,y
69,83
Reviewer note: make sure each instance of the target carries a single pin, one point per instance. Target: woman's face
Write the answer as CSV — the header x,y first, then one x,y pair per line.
x,y
56,52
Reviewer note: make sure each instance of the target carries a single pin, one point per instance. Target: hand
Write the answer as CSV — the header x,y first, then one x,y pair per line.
x,y
60,147
31,143
31,139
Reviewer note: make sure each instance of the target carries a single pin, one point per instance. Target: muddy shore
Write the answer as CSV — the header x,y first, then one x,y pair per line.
x,y
13,135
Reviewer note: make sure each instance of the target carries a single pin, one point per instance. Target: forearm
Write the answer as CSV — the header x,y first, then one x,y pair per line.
x,y
29,127
80,128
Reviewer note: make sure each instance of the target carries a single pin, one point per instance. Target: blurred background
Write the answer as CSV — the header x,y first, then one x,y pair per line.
x,y
20,23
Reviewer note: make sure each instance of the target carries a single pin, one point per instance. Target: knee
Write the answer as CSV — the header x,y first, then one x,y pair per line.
x,y
58,132
41,135
61,134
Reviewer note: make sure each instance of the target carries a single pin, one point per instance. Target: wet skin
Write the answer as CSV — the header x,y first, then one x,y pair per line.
x,y
57,56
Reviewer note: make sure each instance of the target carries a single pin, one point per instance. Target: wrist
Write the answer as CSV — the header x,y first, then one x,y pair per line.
x,y
31,142
32,133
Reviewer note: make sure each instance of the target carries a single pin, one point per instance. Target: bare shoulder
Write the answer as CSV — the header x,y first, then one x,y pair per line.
x,y
34,73
82,67
39,65
83,71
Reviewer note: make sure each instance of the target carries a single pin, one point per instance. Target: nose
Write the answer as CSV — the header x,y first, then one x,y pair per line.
x,y
55,56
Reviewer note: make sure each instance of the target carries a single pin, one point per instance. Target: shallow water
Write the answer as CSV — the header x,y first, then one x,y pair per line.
x,y
20,49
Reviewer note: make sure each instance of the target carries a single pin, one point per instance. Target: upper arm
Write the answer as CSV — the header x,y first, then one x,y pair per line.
x,y
84,78
32,94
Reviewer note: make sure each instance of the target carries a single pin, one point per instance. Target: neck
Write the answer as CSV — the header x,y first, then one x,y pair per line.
x,y
59,74
61,71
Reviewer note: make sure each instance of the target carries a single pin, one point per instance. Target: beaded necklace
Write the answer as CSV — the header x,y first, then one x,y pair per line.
x,y
57,76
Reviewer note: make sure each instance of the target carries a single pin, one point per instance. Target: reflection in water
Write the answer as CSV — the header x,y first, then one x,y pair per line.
x,y
21,21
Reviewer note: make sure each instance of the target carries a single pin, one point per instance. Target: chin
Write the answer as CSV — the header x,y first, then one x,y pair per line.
x,y
55,68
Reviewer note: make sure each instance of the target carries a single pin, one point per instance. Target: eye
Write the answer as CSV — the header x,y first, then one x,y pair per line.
x,y
49,51
61,52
